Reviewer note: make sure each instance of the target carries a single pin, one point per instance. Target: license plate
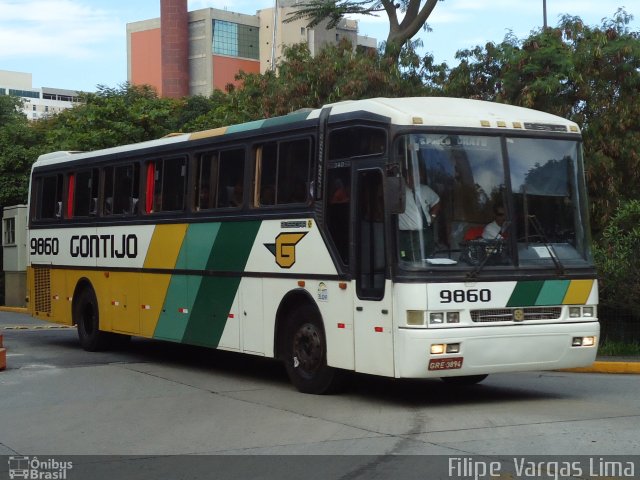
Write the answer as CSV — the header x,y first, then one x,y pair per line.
x,y
445,363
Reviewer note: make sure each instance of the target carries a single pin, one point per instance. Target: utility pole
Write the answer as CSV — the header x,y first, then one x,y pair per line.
x,y
544,14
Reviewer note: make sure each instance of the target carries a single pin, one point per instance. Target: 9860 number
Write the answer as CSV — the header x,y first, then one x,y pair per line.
x,y
472,295
44,246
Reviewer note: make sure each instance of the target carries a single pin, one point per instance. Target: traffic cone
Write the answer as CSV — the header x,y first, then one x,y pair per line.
x,y
3,356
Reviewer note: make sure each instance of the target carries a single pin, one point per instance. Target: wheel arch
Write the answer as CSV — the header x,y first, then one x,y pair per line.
x,y
82,284
292,300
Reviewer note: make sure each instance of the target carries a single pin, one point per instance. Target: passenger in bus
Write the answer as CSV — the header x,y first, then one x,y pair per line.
x,y
496,230
417,236
339,193
268,195
236,196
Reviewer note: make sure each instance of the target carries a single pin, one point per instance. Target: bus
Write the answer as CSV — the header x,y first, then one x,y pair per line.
x,y
354,237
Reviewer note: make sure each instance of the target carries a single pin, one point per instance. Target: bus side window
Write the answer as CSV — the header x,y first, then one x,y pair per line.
x,y
85,193
48,195
169,184
282,172
207,181
338,214
121,189
357,142
230,178
220,179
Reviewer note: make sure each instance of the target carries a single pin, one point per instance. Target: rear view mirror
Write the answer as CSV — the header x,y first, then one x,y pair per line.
x,y
396,194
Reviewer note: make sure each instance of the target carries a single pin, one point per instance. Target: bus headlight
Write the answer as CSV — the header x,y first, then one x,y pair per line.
x,y
586,312
436,318
415,317
583,341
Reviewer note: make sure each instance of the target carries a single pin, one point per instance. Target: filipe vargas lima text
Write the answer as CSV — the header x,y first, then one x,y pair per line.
x,y
468,467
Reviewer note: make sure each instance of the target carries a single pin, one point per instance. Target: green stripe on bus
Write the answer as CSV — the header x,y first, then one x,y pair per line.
x,y
215,296
210,311
292,117
243,127
553,292
199,243
172,323
181,294
233,244
525,293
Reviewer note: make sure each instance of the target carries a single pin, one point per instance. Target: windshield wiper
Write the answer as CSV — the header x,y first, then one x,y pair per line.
x,y
552,252
497,241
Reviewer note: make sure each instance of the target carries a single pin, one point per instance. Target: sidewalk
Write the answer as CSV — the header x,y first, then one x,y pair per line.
x,y
601,365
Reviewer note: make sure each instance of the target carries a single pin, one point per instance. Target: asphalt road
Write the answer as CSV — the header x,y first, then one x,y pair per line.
x,y
152,399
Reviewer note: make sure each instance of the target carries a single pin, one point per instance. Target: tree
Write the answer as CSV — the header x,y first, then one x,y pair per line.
x,y
113,116
336,73
590,75
401,30
20,145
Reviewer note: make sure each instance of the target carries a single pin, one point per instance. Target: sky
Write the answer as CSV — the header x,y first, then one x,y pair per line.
x,y
79,44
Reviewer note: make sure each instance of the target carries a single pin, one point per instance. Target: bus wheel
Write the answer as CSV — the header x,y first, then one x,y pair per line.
x,y
87,317
462,381
305,353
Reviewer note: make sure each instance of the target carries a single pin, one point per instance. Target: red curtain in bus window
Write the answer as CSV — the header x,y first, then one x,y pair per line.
x,y
150,182
72,187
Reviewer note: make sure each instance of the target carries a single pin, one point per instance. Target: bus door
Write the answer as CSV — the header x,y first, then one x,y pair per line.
x,y
373,309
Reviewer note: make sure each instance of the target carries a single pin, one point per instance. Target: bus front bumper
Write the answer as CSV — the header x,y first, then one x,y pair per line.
x,y
487,350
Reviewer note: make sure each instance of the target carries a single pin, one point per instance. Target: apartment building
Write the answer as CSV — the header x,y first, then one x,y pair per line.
x,y
193,53
37,102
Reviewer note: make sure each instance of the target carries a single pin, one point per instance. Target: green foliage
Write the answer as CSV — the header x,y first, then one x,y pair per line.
x,y
617,259
20,144
612,348
414,17
588,74
113,116
336,73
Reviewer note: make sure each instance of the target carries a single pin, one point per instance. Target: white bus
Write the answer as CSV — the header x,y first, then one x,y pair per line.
x,y
408,237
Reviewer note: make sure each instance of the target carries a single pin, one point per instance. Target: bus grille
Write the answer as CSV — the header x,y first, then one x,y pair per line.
x,y
42,277
510,314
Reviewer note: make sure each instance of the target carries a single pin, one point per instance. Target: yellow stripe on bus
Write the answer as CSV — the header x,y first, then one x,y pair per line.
x,y
578,292
165,246
214,132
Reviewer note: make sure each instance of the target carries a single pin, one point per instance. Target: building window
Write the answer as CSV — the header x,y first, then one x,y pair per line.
x,y
24,93
235,40
9,229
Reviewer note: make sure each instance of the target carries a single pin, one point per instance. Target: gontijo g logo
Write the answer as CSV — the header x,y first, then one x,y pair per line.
x,y
285,248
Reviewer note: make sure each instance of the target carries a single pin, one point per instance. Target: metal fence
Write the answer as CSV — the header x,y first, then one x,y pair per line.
x,y
619,325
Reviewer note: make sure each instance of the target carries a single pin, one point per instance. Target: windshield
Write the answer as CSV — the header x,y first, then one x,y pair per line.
x,y
461,211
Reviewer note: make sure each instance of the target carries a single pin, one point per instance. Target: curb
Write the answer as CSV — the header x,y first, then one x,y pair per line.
x,y
608,367
14,309
3,356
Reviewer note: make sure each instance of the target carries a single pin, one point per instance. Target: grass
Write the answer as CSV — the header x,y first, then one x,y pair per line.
x,y
616,348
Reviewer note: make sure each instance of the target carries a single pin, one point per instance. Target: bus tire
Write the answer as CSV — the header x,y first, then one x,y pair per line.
x,y
87,317
305,353
464,381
